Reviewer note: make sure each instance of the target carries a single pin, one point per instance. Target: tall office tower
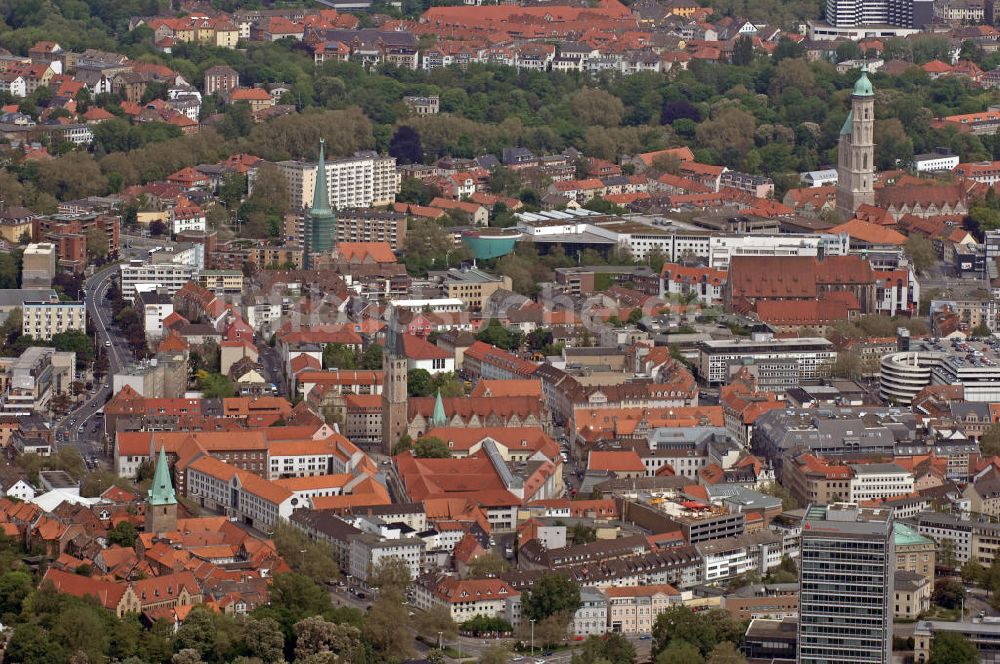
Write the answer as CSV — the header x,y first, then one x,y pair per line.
x,y
856,152
321,221
846,585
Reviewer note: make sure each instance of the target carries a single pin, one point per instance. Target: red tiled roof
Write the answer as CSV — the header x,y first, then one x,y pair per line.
x,y
616,461
454,591
358,252
794,277
249,94
416,348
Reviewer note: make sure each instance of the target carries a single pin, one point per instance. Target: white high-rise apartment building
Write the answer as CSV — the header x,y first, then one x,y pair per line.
x,y
361,181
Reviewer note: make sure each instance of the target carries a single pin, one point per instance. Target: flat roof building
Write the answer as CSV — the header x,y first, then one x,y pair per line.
x,y
846,580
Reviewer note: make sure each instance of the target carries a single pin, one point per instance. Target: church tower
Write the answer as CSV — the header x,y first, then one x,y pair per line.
x,y
395,414
161,501
321,221
856,152
394,395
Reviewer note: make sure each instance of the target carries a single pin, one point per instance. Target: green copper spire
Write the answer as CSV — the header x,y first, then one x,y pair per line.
x,y
162,491
321,221
439,418
321,196
846,129
863,88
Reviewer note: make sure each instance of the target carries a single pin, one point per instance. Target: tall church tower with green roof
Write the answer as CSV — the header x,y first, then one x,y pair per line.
x,y
161,501
321,221
856,151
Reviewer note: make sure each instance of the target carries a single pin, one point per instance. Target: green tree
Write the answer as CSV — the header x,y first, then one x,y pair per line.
x,y
679,652
76,342
391,575
339,356
973,573
264,639
496,334
294,597
613,648
97,243
725,653
435,619
921,251
312,558
592,107
32,644
488,564
371,359
419,383
430,447
981,331
989,442
552,594
262,214
946,553
952,648
387,626
703,629
581,533
316,636
742,51
987,219
479,625
15,588
123,534
429,246
948,593
214,385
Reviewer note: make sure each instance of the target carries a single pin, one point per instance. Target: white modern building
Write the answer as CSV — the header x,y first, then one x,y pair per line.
x,y
363,180
43,319
240,495
368,551
155,309
872,481
934,162
723,248
728,557
140,276
33,378
812,356
903,374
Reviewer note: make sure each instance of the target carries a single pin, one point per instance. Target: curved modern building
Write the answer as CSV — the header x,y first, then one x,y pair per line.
x,y
491,244
903,375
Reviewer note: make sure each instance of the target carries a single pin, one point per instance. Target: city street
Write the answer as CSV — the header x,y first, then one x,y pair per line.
x,y
82,427
271,362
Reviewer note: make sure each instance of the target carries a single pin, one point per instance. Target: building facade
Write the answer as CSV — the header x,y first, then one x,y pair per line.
x,y
42,320
846,580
